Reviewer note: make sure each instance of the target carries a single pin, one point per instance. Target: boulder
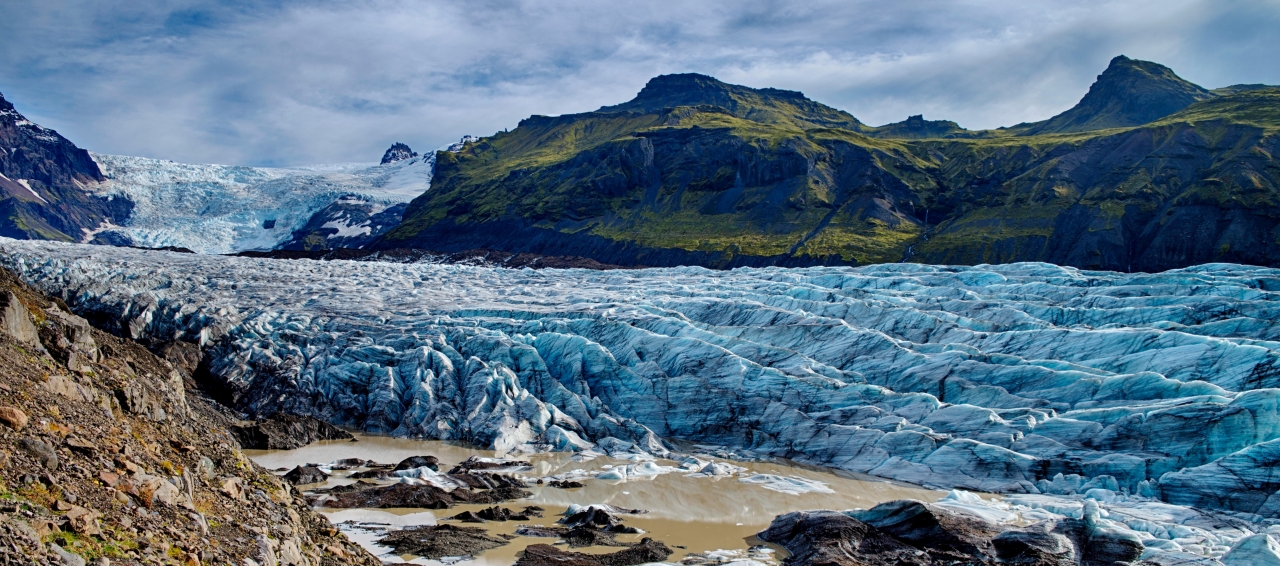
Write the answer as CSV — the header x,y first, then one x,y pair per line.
x,y
595,517
301,475
1034,546
15,320
14,417
42,451
940,531
418,462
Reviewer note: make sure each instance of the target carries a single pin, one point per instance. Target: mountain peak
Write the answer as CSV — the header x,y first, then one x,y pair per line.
x,y
1131,92
765,105
398,152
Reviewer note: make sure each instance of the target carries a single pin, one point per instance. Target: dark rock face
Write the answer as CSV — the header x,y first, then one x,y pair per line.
x,y
397,152
42,179
437,541
1129,93
914,533
286,432
350,222
648,550
301,475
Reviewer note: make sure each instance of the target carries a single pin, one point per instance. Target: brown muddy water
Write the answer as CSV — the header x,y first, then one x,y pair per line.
x,y
701,514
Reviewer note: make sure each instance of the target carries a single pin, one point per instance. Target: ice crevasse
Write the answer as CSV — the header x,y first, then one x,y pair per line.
x,y
1021,378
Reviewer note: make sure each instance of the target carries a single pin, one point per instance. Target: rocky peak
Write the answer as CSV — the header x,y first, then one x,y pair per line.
x,y
5,106
1129,93
916,127
398,152
765,105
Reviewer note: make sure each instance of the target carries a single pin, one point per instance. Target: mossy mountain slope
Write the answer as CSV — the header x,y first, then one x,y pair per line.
x,y
1129,93
765,105
642,184
42,183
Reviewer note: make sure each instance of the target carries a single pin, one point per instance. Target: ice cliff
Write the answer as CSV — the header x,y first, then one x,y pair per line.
x,y
1028,378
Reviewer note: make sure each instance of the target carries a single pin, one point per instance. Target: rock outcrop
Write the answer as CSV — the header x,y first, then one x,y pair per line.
x,y
398,152
282,431
44,182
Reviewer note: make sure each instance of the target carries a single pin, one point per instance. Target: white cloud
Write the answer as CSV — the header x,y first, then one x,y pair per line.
x,y
262,83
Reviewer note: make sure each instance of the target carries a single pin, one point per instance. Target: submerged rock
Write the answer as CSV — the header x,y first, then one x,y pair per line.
x,y
438,541
504,514
488,481
596,517
418,496
647,550
418,462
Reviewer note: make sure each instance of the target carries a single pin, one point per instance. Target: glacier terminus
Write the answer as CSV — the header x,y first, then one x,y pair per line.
x,y
1038,381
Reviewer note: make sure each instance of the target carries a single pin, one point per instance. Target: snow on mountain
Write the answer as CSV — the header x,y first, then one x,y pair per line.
x,y
220,209
1022,378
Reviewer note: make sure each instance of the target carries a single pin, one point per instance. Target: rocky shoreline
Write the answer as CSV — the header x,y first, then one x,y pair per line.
x,y
107,458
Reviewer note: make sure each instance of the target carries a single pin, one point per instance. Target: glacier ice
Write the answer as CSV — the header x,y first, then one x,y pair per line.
x,y
224,209
1023,378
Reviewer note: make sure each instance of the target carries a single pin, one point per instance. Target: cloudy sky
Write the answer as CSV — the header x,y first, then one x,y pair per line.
x,y
279,82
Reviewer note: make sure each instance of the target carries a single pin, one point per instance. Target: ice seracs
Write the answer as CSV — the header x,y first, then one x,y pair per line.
x,y
1023,378
226,209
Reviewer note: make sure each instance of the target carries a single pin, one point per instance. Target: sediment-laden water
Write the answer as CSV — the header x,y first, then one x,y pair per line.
x,y
702,514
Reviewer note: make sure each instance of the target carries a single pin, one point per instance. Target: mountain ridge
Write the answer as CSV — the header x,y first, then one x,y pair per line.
x,y
43,177
1128,93
642,183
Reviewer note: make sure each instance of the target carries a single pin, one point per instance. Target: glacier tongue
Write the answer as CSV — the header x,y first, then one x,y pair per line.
x,y
223,209
1027,378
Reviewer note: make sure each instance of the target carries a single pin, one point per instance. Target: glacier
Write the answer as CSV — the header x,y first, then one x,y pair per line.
x,y
1028,378
220,209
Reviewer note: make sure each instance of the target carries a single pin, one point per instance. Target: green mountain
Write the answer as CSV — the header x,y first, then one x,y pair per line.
x,y
766,106
695,171
1129,93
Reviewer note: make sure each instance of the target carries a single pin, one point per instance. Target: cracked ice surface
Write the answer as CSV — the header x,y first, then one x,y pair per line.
x,y
1025,378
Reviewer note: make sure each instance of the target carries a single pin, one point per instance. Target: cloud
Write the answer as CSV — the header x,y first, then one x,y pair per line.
x,y
283,82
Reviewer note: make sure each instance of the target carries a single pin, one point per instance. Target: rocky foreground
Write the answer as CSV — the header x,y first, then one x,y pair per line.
x,y
912,533
107,457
